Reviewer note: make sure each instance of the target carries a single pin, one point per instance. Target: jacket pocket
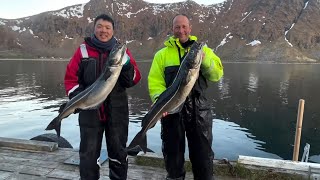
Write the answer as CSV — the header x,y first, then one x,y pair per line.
x,y
88,71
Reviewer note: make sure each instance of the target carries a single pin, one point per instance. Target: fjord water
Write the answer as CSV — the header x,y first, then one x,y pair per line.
x,y
254,106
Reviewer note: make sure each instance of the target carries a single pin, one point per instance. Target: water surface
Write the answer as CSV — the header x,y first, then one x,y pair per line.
x,y
254,106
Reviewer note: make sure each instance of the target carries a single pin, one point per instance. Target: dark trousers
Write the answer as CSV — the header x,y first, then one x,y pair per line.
x,y
199,135
91,134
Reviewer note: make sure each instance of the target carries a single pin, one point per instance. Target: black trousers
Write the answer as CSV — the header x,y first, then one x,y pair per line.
x,y
198,131
91,134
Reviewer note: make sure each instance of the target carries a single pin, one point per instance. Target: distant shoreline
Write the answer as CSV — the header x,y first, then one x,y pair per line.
x,y
44,59
223,62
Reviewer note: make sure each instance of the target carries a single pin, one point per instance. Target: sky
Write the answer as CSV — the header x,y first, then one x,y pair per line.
x,y
12,9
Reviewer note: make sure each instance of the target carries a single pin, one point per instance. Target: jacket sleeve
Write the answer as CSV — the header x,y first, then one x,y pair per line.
x,y
211,66
156,79
130,74
72,76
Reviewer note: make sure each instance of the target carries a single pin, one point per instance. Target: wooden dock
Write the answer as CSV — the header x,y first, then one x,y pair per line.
x,y
37,160
27,159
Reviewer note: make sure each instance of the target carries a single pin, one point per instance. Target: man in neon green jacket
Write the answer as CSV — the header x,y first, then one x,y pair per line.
x,y
195,119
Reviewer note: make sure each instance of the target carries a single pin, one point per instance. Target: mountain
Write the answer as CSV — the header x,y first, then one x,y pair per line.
x,y
246,30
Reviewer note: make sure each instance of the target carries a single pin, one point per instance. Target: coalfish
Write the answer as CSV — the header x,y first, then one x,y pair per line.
x,y
173,98
93,96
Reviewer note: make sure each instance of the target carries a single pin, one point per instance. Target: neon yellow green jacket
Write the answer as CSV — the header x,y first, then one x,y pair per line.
x,y
211,66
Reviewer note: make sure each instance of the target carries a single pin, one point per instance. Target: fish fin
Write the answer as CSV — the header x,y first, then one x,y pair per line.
x,y
136,149
139,140
52,124
176,110
58,129
125,59
91,108
133,151
62,106
55,124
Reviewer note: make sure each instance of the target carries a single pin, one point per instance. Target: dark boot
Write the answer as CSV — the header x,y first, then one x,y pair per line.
x,y
179,178
118,170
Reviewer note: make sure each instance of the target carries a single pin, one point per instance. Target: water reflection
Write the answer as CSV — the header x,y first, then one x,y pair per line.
x,y
224,88
268,104
254,106
230,140
252,82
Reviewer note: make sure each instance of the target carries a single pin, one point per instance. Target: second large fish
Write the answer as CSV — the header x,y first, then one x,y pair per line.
x,y
173,98
94,95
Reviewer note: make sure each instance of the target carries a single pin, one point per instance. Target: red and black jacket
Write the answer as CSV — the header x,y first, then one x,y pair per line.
x,y
85,67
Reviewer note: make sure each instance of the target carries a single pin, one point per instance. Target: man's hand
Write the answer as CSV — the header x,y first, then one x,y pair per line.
x,y
62,106
203,56
76,111
163,114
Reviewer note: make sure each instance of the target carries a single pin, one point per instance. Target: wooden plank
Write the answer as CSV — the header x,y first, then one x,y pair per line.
x,y
61,174
29,162
105,178
67,167
25,176
75,159
56,156
105,171
24,169
278,163
5,174
315,170
28,144
36,171
8,167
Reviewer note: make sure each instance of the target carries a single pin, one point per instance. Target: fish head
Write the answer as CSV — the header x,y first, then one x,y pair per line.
x,y
195,55
117,54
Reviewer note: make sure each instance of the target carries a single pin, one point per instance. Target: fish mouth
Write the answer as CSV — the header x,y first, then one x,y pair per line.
x,y
118,52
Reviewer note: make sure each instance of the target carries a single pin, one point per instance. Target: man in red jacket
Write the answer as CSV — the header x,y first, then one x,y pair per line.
x,y
112,118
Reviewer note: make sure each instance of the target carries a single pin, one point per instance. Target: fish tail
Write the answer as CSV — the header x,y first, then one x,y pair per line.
x,y
56,125
139,140
143,144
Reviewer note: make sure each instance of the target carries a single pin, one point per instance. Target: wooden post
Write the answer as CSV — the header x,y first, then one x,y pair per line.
x,y
298,131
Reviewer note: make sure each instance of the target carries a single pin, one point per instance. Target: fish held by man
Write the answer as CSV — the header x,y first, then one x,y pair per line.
x,y
173,98
93,96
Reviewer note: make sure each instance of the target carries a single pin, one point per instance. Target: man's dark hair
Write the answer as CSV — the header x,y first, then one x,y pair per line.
x,y
105,18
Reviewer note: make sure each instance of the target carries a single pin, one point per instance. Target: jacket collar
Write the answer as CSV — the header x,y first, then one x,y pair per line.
x,y
171,41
